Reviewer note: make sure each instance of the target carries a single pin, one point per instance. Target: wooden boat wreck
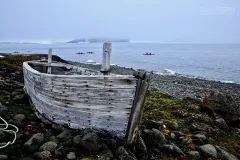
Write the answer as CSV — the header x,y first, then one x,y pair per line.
x,y
79,98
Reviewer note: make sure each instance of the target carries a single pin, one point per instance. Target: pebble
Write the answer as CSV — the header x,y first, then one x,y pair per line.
x,y
71,155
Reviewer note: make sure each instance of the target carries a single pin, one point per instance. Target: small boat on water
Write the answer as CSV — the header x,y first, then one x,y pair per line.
x,y
15,52
148,54
80,53
72,96
91,52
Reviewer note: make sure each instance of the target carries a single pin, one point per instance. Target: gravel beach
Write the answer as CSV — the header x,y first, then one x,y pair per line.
x,y
178,86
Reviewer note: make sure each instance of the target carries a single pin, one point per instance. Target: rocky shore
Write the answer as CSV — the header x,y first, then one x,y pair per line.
x,y
183,119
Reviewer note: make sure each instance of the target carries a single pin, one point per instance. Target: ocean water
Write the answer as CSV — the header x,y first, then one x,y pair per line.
x,y
211,61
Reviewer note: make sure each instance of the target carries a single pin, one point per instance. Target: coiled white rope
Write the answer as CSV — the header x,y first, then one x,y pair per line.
x,y
5,129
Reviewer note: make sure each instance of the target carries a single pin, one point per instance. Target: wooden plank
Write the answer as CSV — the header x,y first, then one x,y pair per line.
x,y
49,69
107,49
136,113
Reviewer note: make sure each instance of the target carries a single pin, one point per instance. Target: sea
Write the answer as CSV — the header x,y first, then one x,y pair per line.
x,y
220,62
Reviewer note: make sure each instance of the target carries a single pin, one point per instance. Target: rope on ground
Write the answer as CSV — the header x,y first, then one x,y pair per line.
x,y
5,129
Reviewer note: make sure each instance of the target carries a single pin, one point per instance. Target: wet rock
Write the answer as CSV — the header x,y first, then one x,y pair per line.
x,y
54,139
198,142
199,139
71,155
208,150
91,142
19,117
58,154
178,134
222,104
140,145
222,154
66,135
3,110
2,135
121,151
221,123
44,155
194,155
67,143
153,124
26,158
153,137
34,142
122,154
171,149
3,157
112,143
31,117
106,154
48,146
49,133
21,99
77,140
193,107
173,136
173,125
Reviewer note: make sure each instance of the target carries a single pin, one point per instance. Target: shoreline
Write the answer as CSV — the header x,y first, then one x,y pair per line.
x,y
176,85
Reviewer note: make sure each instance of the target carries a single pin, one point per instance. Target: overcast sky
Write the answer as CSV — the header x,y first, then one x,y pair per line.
x,y
143,20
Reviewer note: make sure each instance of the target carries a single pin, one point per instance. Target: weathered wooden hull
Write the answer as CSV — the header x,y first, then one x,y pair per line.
x,y
86,100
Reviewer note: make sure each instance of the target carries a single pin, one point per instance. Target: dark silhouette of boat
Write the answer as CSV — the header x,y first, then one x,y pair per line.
x,y
148,54
91,52
80,53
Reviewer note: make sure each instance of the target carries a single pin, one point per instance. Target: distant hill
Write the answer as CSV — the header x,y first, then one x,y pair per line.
x,y
98,40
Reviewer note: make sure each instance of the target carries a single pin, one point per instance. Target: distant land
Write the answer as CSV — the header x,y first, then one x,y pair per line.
x,y
98,40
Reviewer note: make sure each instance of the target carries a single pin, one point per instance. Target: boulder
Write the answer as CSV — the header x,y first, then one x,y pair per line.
x,y
91,142
222,154
221,123
222,104
77,140
21,99
44,155
19,117
194,155
106,154
2,135
173,125
34,142
3,110
3,157
140,145
171,150
54,139
48,146
208,151
153,137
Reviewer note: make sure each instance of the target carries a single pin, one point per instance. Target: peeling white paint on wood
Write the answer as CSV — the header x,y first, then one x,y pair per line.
x,y
81,101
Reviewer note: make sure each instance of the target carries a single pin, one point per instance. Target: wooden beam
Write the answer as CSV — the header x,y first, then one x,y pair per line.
x,y
107,49
49,70
137,109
